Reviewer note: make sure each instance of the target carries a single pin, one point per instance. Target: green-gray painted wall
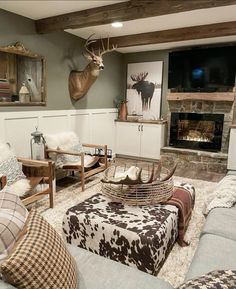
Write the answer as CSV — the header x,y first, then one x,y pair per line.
x,y
58,48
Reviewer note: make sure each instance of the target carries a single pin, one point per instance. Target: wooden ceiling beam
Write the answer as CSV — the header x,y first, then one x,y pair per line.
x,y
123,11
175,35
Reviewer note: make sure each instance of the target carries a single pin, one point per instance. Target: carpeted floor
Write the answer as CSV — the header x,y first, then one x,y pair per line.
x,y
178,260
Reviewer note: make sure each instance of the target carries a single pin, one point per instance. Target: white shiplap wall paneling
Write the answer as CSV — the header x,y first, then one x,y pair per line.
x,y
91,125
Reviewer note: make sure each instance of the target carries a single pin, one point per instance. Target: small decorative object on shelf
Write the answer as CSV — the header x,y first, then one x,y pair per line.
x,y
123,110
24,93
37,145
137,185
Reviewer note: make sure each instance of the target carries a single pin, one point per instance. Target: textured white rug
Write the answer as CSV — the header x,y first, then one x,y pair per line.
x,y
179,258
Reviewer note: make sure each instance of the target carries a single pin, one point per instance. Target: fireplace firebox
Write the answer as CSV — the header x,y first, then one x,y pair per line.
x,y
201,131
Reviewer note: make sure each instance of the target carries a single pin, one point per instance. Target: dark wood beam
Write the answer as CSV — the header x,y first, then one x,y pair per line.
x,y
174,35
124,11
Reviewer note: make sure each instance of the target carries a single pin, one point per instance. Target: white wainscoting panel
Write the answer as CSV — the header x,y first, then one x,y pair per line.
x,y
91,125
80,124
17,133
52,124
103,129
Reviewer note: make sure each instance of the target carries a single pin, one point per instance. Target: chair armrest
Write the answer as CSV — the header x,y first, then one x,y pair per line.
x,y
103,147
73,153
30,162
38,168
95,146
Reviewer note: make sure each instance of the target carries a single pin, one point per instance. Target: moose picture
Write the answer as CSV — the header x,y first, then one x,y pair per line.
x,y
144,85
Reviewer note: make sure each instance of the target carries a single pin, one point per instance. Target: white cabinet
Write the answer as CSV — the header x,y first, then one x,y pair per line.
x,y
139,139
232,148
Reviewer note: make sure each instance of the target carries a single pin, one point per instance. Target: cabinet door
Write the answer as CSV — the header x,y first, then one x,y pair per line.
x,y
152,140
231,153
128,138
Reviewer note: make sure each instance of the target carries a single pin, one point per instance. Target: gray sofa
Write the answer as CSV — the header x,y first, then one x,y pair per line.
x,y
96,272
216,251
217,246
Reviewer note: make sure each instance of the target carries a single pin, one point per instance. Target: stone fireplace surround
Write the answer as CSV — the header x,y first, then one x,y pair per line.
x,y
196,162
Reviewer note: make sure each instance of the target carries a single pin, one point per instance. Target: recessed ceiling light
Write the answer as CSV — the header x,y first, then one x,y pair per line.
x,y
117,24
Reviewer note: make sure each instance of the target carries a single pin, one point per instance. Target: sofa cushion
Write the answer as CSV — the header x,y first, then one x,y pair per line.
x,y
12,218
221,279
213,253
101,273
40,258
220,221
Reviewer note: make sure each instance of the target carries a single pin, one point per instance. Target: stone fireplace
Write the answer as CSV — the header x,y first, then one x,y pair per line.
x,y
201,131
198,132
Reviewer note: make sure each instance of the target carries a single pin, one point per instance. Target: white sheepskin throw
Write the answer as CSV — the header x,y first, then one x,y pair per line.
x,y
5,152
19,188
131,172
64,140
224,196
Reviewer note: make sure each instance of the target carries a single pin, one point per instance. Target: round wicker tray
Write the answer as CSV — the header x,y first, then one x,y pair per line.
x,y
138,194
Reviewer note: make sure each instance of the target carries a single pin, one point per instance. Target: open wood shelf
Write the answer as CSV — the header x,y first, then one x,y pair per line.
x,y
207,96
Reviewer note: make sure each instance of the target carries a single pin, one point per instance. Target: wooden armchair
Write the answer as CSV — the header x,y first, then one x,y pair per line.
x,y
85,170
37,172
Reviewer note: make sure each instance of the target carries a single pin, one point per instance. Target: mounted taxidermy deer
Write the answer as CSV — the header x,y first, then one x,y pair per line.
x,y
80,81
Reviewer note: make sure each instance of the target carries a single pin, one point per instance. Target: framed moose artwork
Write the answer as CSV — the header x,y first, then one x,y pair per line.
x,y
144,89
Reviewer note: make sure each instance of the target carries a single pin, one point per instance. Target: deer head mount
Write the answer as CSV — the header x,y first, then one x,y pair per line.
x,y
80,81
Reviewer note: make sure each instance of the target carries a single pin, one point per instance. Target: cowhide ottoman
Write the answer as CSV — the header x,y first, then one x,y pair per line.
x,y
136,236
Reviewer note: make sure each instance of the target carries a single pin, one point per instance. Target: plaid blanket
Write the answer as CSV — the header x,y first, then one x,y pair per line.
x,y
183,198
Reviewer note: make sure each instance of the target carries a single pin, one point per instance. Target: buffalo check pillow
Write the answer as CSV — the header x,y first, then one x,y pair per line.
x,y
40,258
219,279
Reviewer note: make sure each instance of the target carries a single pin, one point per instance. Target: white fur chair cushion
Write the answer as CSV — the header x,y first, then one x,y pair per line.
x,y
11,168
68,141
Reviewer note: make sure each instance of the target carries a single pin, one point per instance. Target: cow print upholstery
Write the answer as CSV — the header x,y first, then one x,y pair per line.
x,y
138,236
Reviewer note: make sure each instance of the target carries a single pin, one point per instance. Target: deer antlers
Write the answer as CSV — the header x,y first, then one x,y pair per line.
x,y
139,77
89,41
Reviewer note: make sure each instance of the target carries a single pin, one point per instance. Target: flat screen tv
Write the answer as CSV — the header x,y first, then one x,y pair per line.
x,y
202,70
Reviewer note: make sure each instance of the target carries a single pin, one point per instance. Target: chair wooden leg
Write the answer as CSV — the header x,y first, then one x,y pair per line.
x,y
82,172
82,180
50,181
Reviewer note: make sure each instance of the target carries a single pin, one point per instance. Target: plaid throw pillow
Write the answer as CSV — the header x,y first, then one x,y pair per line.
x,y
40,258
221,279
12,218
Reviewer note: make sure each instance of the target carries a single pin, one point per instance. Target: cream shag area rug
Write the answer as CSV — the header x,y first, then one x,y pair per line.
x,y
179,259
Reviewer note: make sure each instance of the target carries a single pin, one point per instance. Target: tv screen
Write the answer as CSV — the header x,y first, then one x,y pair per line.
x,y
204,69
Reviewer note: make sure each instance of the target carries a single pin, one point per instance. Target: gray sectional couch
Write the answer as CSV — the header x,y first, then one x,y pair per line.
x,y
216,250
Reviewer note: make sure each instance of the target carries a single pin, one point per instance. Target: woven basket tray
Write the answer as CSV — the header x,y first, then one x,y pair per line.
x,y
138,194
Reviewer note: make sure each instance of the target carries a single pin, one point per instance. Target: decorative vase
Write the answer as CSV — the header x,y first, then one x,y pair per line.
x,y
123,111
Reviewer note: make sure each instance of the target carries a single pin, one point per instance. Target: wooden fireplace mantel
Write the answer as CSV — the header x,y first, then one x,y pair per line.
x,y
207,96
